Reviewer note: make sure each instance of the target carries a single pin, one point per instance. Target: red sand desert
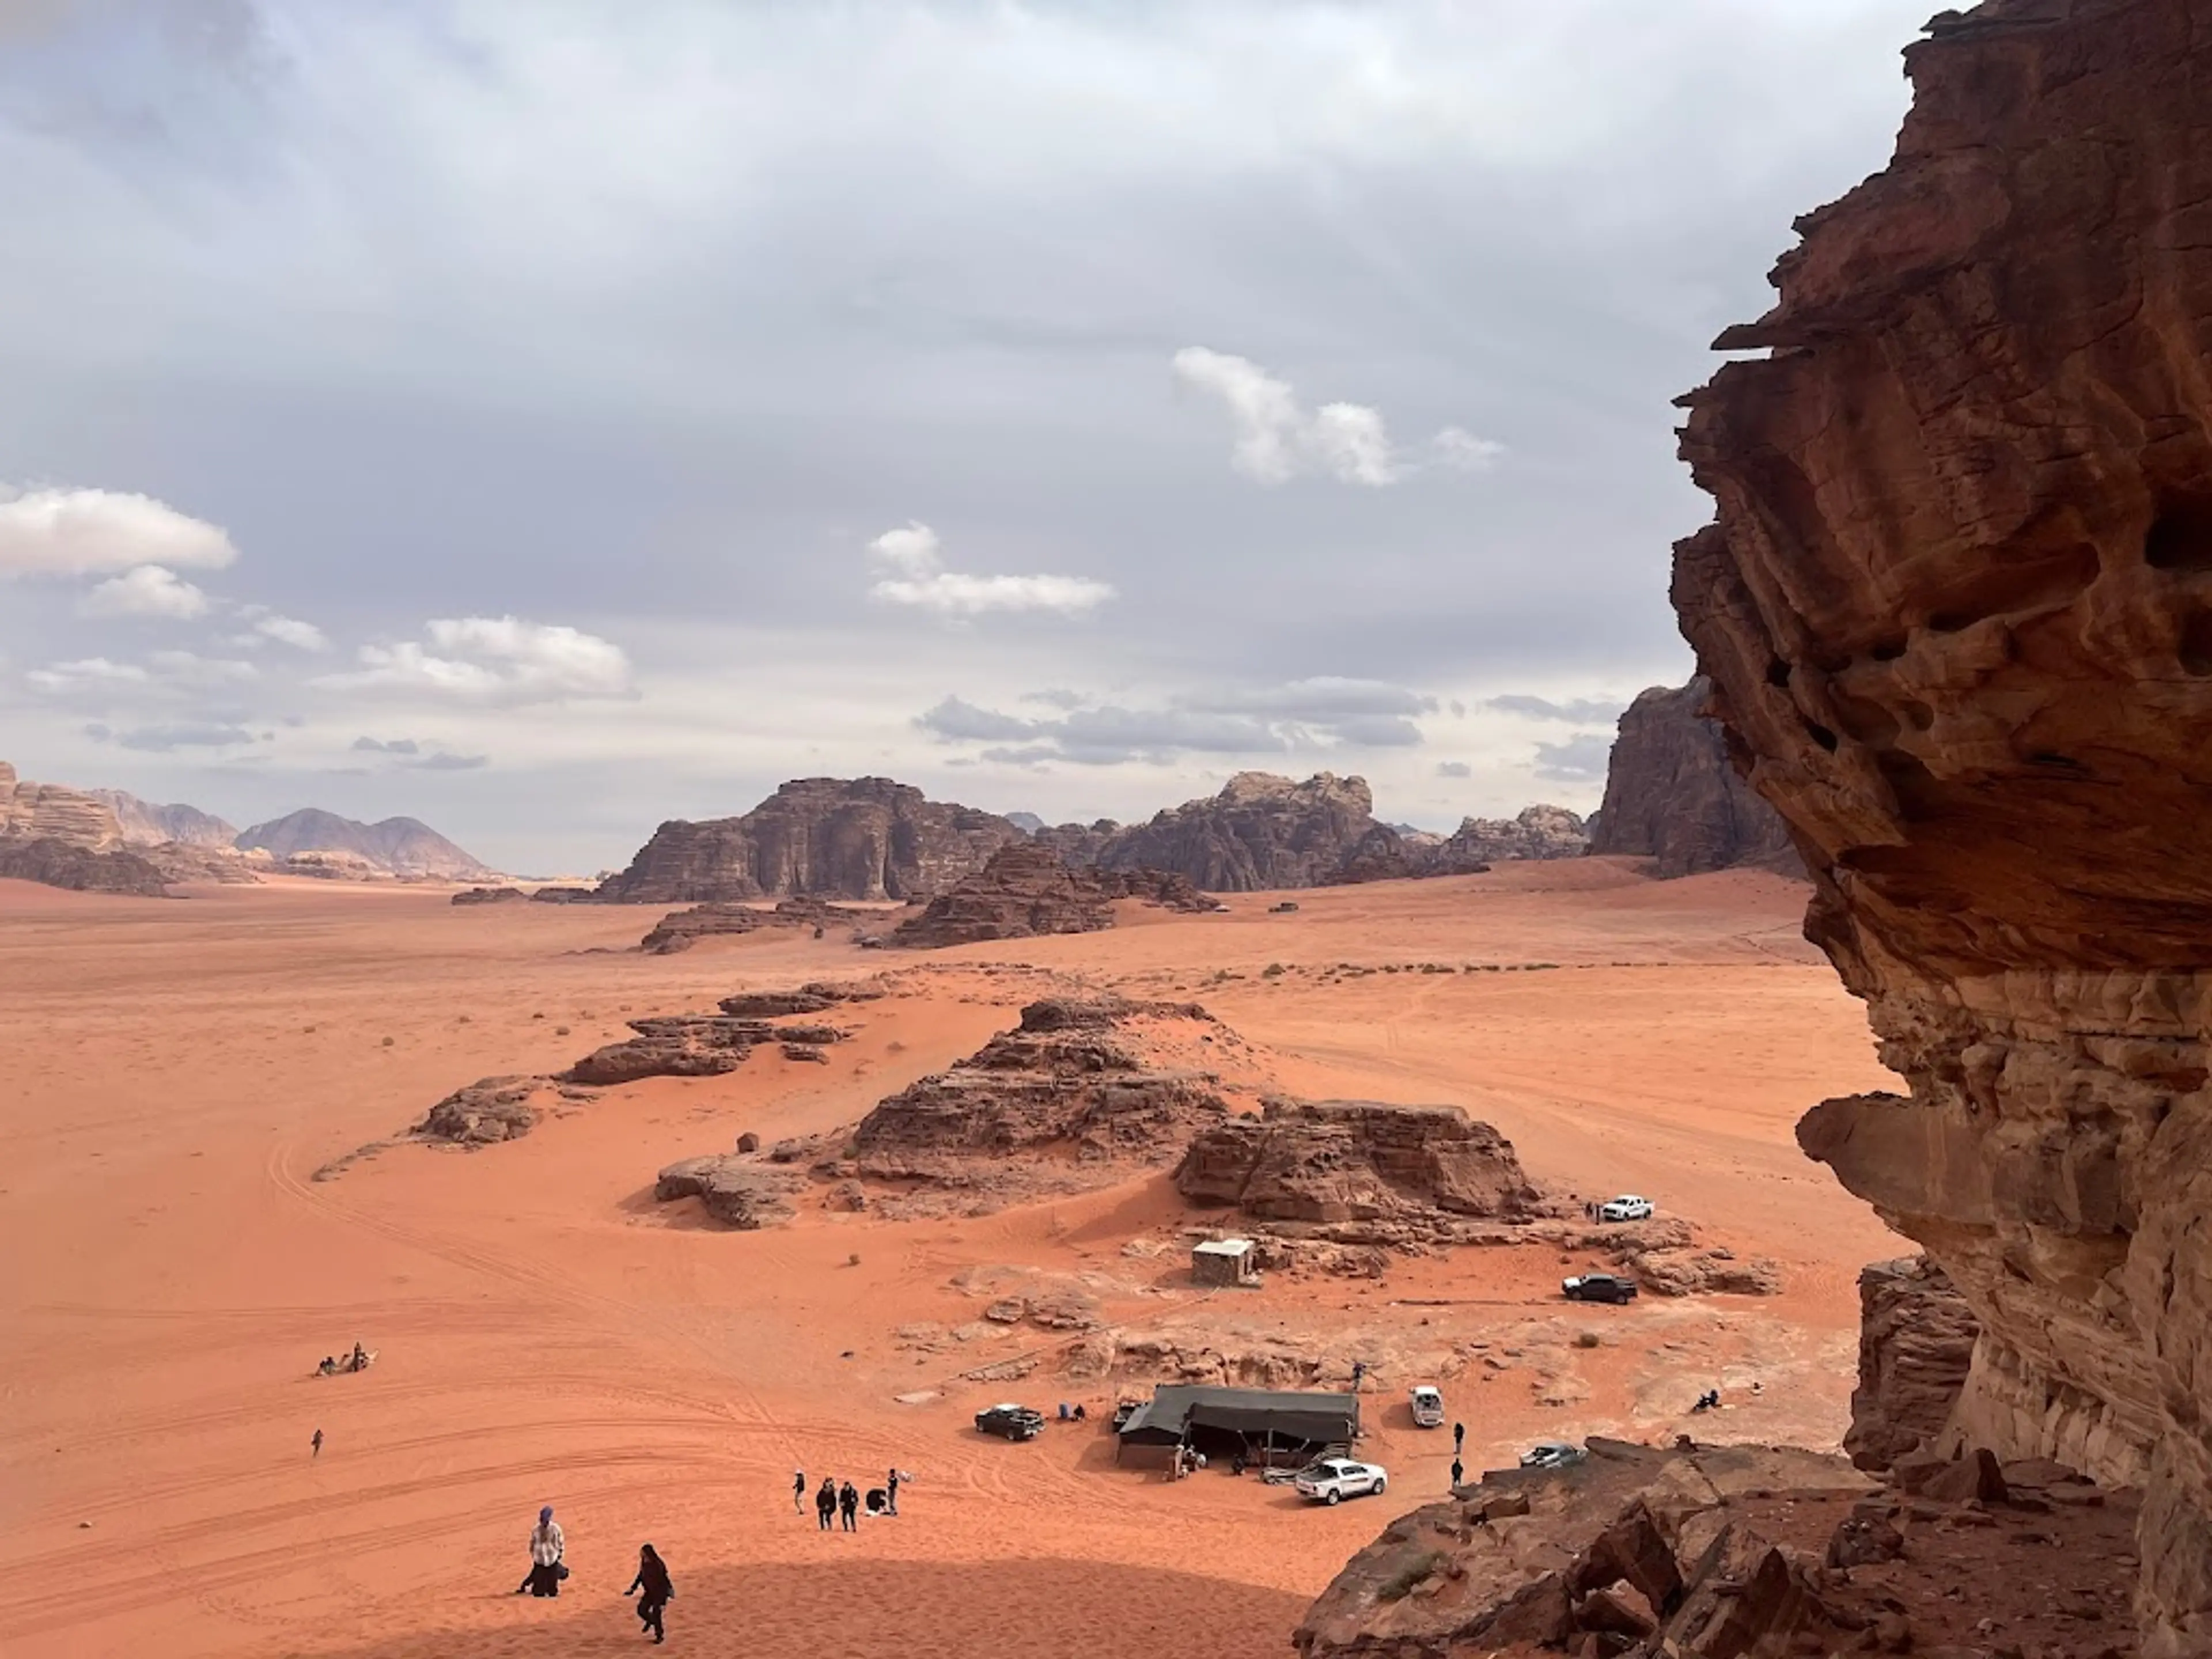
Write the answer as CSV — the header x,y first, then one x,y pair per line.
x,y
177,1071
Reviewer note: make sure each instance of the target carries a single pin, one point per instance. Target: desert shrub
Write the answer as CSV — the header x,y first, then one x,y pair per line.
x,y
1274,970
387,1043
1588,1339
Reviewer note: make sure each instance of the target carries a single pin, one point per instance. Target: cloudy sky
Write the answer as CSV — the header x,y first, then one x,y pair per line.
x,y
548,418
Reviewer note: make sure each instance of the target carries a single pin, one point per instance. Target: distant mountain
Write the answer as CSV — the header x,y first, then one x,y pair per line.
x,y
1028,823
146,825
402,847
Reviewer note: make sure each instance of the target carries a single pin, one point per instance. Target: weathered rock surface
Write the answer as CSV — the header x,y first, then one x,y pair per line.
x,y
48,811
1261,832
1673,796
1539,832
1916,1343
863,838
1028,890
1065,1099
492,895
674,1045
1356,1160
551,895
56,863
735,1190
393,847
679,930
1957,607
489,1110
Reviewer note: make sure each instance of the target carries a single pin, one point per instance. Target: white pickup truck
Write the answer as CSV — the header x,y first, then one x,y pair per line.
x,y
1335,1479
1428,1407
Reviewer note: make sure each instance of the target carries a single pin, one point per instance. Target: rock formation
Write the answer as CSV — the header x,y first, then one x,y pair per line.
x,y
1916,1343
1356,1160
1068,1098
47,811
1672,796
492,1109
1027,890
1957,608
52,862
1538,832
144,823
679,930
1729,1553
867,838
395,847
471,896
736,1190
687,1045
1260,833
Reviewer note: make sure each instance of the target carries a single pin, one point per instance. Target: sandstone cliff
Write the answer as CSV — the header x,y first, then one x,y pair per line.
x,y
1538,832
67,838
1260,833
1915,1344
1673,796
1356,1160
867,838
47,811
1957,607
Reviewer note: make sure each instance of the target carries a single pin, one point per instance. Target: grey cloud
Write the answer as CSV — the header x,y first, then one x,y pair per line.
x,y
161,740
959,720
1454,769
1578,760
1378,731
396,746
1580,711
444,760
1259,720
1054,698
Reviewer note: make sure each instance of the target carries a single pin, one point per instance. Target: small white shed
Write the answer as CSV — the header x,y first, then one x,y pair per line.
x,y
1223,1262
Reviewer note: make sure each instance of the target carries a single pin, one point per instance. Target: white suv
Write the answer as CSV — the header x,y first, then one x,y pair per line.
x,y
1335,1479
1625,1208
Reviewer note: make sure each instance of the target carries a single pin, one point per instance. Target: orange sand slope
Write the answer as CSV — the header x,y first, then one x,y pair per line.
x,y
176,1071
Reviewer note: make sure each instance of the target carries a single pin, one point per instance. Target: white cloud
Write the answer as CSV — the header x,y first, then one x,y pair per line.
x,y
87,674
187,671
290,631
498,658
146,590
73,533
1278,440
913,574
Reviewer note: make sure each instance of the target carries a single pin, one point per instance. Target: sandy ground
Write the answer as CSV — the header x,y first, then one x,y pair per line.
x,y
175,1071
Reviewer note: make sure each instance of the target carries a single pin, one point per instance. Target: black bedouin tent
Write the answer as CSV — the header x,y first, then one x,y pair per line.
x,y
1261,1423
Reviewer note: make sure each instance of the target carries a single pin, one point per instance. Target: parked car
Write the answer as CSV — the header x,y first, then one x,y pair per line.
x,y
1552,1455
1598,1287
1335,1479
1626,1208
1428,1407
1011,1422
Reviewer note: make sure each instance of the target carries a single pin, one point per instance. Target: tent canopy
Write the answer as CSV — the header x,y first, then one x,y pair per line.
x,y
1175,1409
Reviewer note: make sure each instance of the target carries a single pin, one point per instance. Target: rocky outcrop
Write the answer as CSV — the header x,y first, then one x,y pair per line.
x,y
733,1188
687,1045
1261,832
1356,1160
865,838
679,930
1028,890
473,896
1672,795
492,1109
1068,1098
393,847
48,811
55,863
1957,608
1916,1343
1731,1552
146,823
1538,832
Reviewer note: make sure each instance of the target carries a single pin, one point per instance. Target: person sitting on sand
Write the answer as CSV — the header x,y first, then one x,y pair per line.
x,y
329,1367
359,1362
653,1579
546,1545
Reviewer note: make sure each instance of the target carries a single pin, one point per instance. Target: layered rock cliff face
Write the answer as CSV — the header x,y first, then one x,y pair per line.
x,y
1957,609
1671,795
1260,833
865,838
1915,1346
61,837
1537,832
1026,891
47,811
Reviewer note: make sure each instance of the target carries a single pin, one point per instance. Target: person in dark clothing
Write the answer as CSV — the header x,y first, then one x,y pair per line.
x,y
890,1492
825,1503
317,1443
849,1504
799,1492
653,1579
1459,1437
1458,1474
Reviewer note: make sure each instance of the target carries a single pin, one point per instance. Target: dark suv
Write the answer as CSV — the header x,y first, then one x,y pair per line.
x,y
1011,1422
1598,1287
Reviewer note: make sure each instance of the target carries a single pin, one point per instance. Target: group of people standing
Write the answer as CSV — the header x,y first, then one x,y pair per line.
x,y
548,1570
837,1505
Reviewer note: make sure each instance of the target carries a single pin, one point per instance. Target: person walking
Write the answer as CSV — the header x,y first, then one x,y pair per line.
x,y
653,1579
799,1492
825,1503
546,1545
1459,1437
890,1489
317,1443
848,1504
1458,1474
